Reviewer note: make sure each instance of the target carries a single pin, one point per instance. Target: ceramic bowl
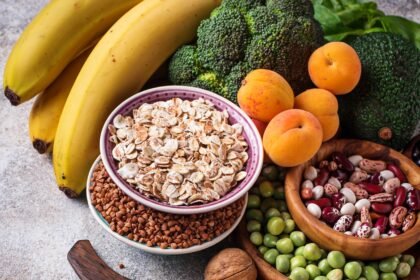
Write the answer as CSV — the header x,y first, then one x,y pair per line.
x,y
324,235
154,250
250,132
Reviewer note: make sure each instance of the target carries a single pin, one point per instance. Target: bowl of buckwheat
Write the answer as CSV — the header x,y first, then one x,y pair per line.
x,y
181,150
153,231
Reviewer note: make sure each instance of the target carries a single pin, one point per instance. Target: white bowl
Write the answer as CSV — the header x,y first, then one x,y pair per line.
x,y
155,250
255,149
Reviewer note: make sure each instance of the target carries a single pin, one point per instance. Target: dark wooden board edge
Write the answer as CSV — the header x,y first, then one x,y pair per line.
x,y
88,265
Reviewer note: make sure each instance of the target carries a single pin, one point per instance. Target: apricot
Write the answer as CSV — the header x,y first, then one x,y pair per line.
x,y
264,94
324,106
335,67
292,137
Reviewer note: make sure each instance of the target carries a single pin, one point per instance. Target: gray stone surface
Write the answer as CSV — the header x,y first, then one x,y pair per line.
x,y
38,224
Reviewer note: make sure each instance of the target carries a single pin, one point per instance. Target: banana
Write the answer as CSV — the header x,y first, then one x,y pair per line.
x,y
46,111
61,30
122,61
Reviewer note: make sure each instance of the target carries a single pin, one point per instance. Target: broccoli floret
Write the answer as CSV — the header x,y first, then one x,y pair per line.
x,y
259,19
233,80
209,81
222,40
285,47
242,5
295,8
183,67
388,94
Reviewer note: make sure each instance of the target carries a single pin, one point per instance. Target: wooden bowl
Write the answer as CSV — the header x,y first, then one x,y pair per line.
x,y
325,236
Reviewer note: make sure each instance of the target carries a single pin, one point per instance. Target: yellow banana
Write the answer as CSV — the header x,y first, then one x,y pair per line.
x,y
122,61
61,30
46,111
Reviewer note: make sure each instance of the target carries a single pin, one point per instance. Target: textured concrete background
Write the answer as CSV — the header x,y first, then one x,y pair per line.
x,y
38,224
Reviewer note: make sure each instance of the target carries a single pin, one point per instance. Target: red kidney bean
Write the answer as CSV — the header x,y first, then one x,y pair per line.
x,y
371,188
394,231
375,215
342,161
382,208
306,193
381,224
338,200
322,202
413,200
330,215
322,177
397,172
400,195
340,175
376,179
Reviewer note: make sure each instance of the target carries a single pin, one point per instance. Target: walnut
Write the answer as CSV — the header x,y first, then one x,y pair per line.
x,y
232,264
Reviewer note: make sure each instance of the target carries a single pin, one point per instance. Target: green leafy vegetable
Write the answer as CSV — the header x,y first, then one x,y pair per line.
x,y
344,18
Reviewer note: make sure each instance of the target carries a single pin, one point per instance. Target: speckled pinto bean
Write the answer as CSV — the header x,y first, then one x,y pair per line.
x,y
372,166
396,218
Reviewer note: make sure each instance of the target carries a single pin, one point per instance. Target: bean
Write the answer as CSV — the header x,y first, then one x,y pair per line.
x,y
278,192
397,172
299,273
311,252
298,238
388,276
324,266
370,273
275,225
271,255
408,259
285,215
270,172
297,261
255,214
335,274
282,263
388,264
290,226
342,161
262,249
266,189
403,270
268,203
322,177
254,201
353,270
285,245
269,240
336,259
272,212
299,251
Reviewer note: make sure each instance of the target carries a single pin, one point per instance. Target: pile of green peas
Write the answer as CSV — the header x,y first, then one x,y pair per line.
x,y
282,245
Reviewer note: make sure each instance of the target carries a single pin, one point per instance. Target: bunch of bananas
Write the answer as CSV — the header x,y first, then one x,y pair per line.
x,y
84,58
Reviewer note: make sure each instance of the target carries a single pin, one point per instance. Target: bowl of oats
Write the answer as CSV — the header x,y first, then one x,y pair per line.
x,y
181,150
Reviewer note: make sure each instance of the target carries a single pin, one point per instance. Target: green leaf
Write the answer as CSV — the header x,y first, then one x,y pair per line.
x,y
402,26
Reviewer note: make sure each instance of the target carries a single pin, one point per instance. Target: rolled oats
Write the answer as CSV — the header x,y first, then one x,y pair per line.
x,y
179,151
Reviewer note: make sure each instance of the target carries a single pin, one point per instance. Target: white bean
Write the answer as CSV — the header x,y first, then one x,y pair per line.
x,y
355,226
310,173
307,184
314,209
318,192
334,181
407,186
355,159
348,209
349,194
386,174
374,233
348,233
362,203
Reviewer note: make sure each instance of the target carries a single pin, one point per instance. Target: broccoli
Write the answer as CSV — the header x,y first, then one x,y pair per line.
x,y
221,40
388,94
292,7
184,68
243,35
209,81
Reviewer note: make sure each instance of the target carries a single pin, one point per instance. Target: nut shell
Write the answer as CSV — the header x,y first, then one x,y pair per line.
x,y
232,264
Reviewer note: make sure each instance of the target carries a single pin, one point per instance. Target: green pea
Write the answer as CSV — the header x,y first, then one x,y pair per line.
x,y
282,205
299,273
278,192
375,265
253,225
268,203
388,264
362,278
254,201
403,270
282,263
336,259
313,271
272,212
266,189
283,235
312,252
255,214
262,249
256,238
298,238
271,255
299,251
269,240
408,259
285,245
388,276
297,261
290,225
370,273
289,256
275,225
335,274
324,266
270,172
321,278
353,270
286,215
